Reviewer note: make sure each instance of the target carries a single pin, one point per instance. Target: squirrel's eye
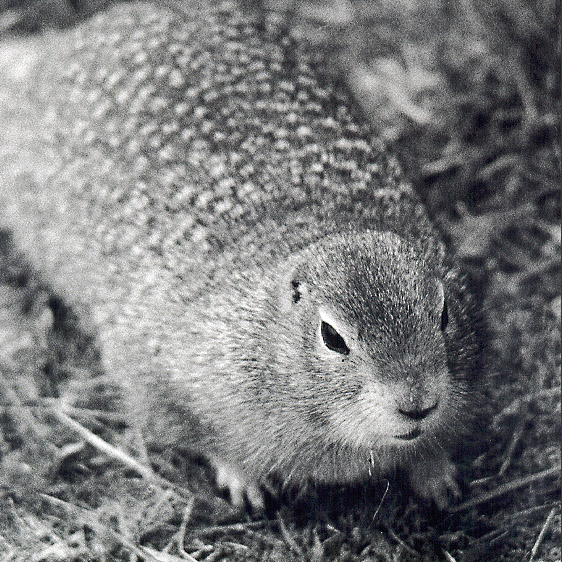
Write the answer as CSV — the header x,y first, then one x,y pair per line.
x,y
332,339
444,317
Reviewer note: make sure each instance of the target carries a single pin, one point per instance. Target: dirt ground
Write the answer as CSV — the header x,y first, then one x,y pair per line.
x,y
467,94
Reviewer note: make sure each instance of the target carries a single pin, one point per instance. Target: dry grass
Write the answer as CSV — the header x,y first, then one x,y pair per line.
x,y
467,93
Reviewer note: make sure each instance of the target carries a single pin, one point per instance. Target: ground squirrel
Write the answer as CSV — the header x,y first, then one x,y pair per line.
x,y
261,279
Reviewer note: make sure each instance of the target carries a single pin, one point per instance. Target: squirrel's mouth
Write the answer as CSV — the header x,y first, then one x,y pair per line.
x,y
416,432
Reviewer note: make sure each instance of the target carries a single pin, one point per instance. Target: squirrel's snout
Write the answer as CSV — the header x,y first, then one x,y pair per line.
x,y
415,412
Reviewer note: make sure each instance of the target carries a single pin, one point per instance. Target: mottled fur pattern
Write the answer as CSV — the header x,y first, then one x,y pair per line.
x,y
195,185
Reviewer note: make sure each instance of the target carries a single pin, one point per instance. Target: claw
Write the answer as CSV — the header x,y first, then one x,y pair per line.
x,y
435,480
240,489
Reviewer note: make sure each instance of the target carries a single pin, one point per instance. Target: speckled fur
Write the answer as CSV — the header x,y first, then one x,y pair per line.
x,y
166,168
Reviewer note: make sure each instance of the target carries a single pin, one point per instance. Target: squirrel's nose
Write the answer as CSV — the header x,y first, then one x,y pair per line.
x,y
415,413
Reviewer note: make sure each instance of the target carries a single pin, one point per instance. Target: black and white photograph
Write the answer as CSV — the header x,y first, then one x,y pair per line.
x,y
280,281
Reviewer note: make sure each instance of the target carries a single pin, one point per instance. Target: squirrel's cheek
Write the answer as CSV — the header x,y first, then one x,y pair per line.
x,y
369,418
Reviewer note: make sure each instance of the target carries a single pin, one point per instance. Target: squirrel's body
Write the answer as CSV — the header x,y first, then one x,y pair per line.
x,y
190,181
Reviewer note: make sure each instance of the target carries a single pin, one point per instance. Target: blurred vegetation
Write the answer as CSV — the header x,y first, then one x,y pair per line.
x,y
467,93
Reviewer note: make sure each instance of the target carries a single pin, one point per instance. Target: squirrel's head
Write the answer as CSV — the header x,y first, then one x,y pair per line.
x,y
369,321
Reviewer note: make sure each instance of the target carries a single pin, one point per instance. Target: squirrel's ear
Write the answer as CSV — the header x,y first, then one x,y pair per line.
x,y
294,288
297,289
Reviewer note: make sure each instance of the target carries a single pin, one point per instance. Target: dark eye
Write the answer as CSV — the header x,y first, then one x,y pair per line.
x,y
444,317
333,340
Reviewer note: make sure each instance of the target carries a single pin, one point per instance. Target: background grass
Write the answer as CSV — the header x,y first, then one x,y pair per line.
x,y
467,93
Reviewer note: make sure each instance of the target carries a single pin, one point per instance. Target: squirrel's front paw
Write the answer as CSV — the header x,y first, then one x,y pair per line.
x,y
240,488
435,479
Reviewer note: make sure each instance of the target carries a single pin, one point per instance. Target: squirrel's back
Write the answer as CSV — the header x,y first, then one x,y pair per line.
x,y
172,130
